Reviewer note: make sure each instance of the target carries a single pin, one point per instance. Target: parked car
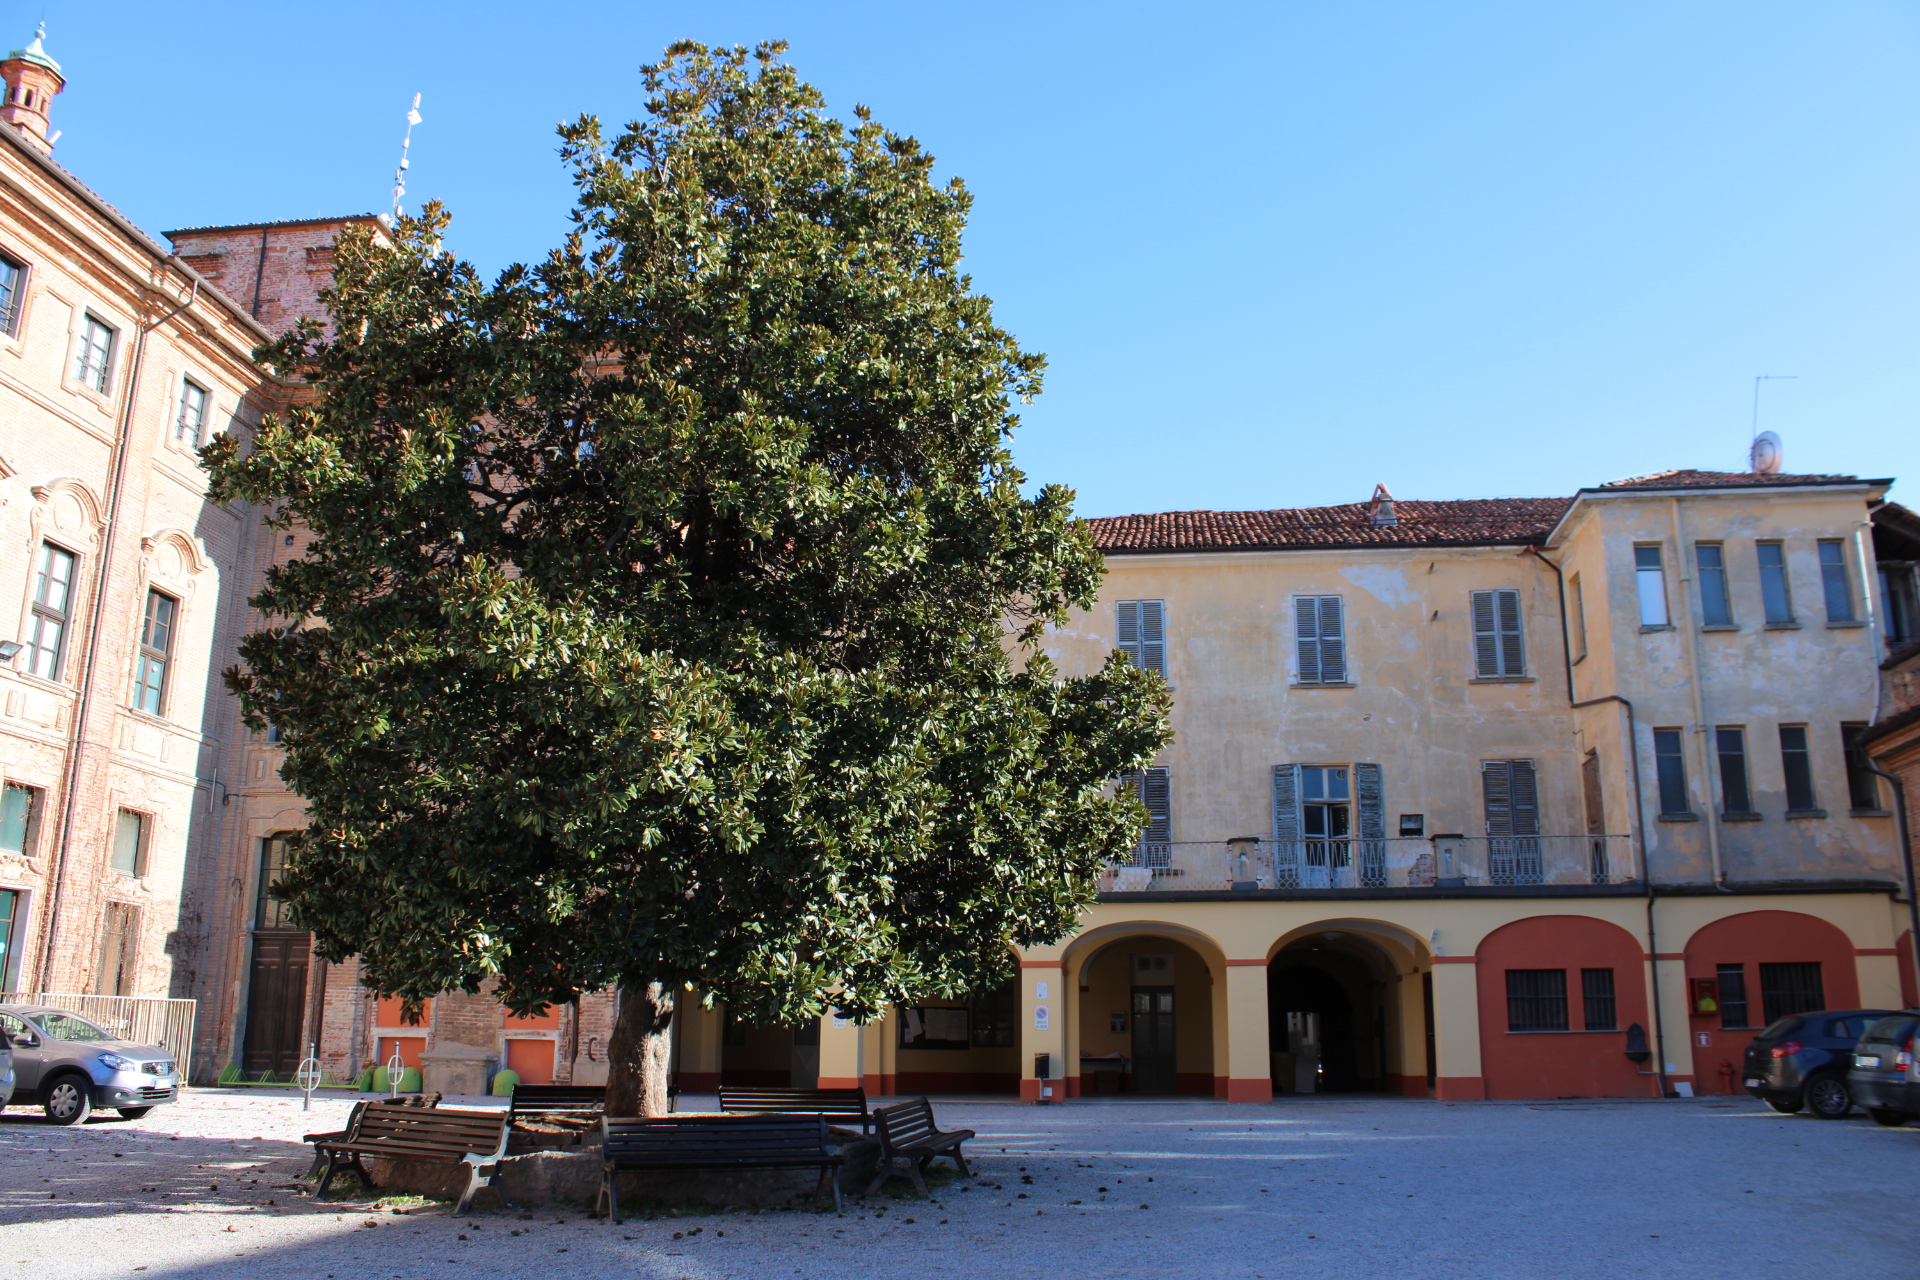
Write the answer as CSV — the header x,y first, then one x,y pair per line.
x,y
68,1066
1801,1061
1885,1079
6,1072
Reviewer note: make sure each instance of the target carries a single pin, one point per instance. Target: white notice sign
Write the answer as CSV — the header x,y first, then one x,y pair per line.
x,y
1040,990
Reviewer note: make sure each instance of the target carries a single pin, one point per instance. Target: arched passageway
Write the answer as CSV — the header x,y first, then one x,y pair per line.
x,y
1331,1015
1146,1020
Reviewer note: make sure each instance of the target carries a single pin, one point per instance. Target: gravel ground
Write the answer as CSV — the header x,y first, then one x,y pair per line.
x,y
1408,1188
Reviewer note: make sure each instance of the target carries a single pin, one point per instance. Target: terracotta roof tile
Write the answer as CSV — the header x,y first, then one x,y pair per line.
x,y
1686,478
1468,522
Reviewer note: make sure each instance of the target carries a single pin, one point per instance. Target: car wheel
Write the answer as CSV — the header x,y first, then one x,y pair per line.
x,y
1829,1098
69,1101
1890,1118
1786,1106
133,1113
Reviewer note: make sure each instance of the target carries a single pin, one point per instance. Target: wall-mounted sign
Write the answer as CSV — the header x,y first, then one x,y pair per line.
x,y
1040,991
1041,1020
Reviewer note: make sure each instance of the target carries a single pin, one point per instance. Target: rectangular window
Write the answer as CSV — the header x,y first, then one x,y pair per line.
x,y
1787,989
1320,638
130,843
1735,795
1154,790
118,943
1863,787
1900,602
9,925
156,642
1833,580
1579,594
1652,579
1773,583
1536,1000
1716,606
193,413
1143,633
1796,762
93,363
1512,796
19,819
52,606
1325,803
269,912
1670,767
1732,980
13,294
996,1017
1596,990
1497,650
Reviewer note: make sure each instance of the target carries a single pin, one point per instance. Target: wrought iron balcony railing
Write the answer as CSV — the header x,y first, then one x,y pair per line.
x,y
1441,862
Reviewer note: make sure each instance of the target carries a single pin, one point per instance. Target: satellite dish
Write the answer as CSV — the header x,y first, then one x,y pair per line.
x,y
1766,455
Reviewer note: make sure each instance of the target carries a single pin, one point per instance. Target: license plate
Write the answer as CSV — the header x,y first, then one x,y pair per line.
x,y
1865,1060
1753,1084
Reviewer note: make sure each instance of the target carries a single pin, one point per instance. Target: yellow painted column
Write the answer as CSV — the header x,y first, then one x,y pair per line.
x,y
1456,1029
1249,1065
698,1035
1043,1021
1670,990
839,1053
1880,980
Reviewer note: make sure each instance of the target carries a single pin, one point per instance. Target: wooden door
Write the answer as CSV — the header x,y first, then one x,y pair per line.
x,y
276,1004
1155,1063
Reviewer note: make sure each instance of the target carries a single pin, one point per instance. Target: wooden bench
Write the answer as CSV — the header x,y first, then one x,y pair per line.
x,y
713,1142
430,1135
556,1099
353,1119
909,1142
834,1104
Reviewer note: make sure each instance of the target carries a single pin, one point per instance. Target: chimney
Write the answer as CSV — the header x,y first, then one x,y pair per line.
x,y
1380,510
32,80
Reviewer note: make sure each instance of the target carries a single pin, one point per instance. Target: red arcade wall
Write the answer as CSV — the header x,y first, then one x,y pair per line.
x,y
1575,1063
1750,940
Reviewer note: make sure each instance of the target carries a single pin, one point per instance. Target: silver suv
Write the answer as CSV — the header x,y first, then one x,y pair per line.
x,y
69,1066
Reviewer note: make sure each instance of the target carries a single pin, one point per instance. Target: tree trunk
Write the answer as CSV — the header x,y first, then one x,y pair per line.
x,y
638,1052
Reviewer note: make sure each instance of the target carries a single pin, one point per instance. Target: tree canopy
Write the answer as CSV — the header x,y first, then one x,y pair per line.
x,y
670,610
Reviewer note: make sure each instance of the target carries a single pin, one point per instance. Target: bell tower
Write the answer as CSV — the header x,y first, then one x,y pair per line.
x,y
32,78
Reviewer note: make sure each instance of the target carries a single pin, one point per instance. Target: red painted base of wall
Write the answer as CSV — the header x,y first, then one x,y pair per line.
x,y
837,1082
915,1082
1259,1090
697,1081
1461,1089
1414,1087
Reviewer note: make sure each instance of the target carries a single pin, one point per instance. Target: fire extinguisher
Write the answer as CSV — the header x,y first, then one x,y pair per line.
x,y
1726,1077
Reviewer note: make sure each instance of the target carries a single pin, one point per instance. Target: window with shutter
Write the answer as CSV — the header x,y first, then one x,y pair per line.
x,y
1512,799
1286,825
1370,857
1154,790
1320,639
1141,632
1497,648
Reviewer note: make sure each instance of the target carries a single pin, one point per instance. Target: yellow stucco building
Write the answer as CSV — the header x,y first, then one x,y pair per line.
x,y
1506,798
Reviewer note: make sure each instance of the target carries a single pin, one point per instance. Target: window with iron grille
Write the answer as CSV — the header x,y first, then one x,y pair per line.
x,y
268,911
1142,633
1596,993
156,644
1735,795
1536,1000
13,293
1863,786
1670,768
1787,989
996,1017
193,413
93,362
1833,580
52,602
1796,763
1732,982
1497,648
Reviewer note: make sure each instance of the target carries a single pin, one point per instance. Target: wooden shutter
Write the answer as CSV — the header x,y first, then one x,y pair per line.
x,y
1156,793
1141,633
1320,639
1512,797
1286,802
1497,650
1370,800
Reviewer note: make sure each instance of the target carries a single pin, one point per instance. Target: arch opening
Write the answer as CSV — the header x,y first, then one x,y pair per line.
x,y
1333,1015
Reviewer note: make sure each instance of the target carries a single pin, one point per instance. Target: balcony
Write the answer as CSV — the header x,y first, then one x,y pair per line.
x,y
1442,862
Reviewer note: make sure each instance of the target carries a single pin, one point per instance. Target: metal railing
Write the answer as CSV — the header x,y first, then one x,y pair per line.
x,y
1443,862
139,1019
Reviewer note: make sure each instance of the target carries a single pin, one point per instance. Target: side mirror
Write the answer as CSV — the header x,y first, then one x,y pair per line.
x,y
26,1040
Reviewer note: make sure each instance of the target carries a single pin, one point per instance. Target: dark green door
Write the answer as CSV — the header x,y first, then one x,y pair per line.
x,y
1155,1069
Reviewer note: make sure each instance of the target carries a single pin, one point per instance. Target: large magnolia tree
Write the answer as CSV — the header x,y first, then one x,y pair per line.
x,y
672,610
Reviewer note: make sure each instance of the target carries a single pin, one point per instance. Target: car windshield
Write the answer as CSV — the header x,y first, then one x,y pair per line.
x,y
67,1026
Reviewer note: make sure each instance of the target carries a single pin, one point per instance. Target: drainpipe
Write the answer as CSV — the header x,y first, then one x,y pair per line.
x,y
116,486
1701,728
1639,817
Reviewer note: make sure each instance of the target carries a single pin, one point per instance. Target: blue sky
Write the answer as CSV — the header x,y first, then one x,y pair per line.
x,y
1275,252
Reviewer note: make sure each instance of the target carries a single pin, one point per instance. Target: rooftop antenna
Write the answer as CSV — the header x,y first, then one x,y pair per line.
x,y
400,173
